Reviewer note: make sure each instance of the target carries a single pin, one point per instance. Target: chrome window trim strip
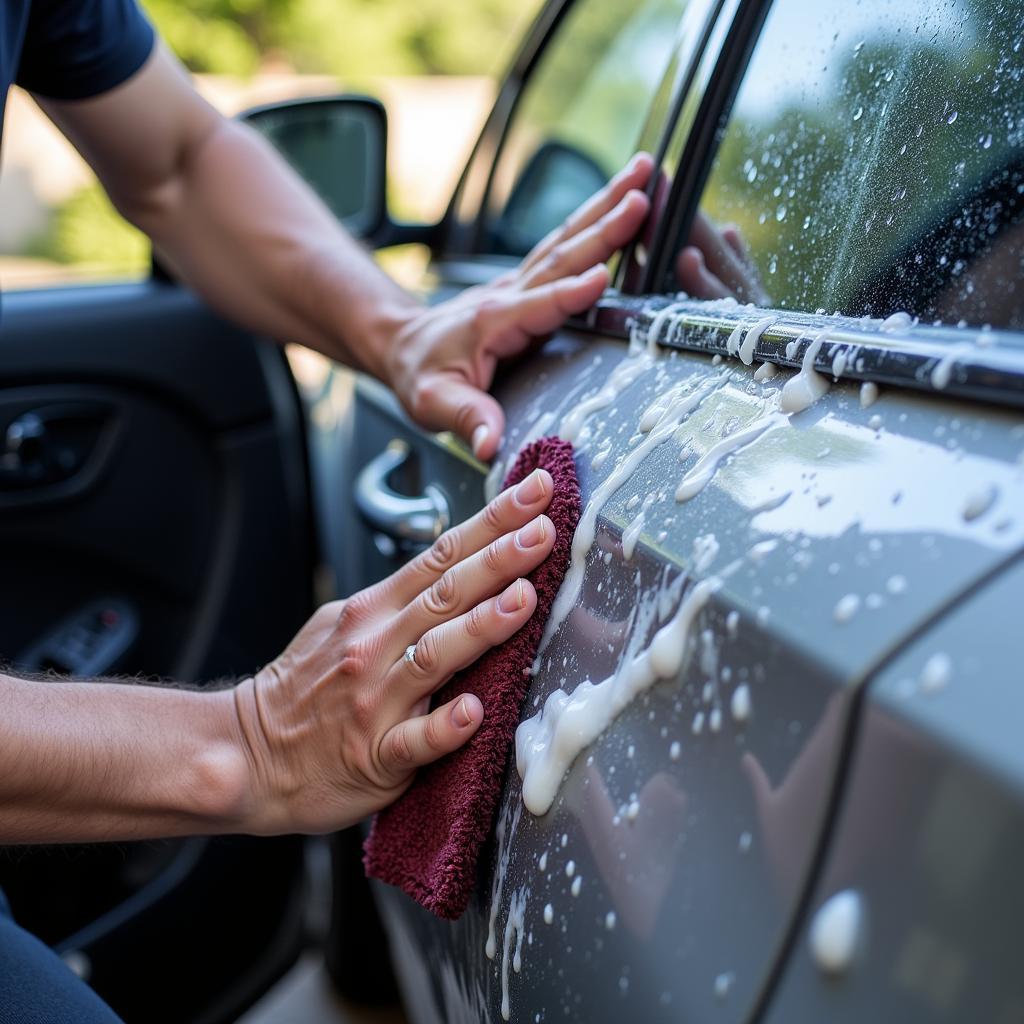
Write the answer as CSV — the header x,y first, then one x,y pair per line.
x,y
970,362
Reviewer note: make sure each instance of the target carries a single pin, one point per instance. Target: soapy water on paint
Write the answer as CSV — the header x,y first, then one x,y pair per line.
x,y
544,750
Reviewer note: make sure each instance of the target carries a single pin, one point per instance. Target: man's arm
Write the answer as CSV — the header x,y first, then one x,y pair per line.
x,y
331,731
236,223
84,761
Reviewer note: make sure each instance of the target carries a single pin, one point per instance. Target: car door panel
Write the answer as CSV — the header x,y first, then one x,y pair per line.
x,y
701,851
927,836
167,485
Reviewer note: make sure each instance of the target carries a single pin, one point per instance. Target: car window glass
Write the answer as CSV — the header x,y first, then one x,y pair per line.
x,y
873,161
579,117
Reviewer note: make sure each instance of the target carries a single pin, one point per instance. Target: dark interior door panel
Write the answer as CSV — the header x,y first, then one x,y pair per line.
x,y
152,472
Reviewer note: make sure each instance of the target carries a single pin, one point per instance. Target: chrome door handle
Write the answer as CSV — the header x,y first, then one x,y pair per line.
x,y
414,520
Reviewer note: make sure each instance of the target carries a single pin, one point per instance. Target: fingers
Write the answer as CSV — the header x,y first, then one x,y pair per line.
x,y
732,235
634,176
446,400
694,277
591,245
509,322
510,510
418,741
451,646
475,579
723,260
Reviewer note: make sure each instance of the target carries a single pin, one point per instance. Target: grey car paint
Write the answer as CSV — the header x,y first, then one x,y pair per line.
x,y
706,878
929,833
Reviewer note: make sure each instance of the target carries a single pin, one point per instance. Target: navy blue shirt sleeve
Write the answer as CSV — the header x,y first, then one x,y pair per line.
x,y
74,49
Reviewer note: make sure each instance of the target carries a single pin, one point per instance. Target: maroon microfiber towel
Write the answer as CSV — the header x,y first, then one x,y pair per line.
x,y
428,842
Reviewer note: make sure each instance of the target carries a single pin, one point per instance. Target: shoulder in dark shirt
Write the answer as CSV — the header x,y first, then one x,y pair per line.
x,y
71,49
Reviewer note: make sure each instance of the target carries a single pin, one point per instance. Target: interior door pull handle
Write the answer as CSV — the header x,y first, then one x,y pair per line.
x,y
418,520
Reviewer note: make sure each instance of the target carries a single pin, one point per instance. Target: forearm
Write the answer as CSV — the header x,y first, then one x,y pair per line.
x,y
88,761
242,229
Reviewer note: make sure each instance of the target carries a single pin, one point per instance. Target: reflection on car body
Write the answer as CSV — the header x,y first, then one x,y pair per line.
x,y
814,505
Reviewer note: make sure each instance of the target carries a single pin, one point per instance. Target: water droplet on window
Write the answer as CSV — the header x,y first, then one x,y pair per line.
x,y
985,141
780,213
773,265
952,118
858,113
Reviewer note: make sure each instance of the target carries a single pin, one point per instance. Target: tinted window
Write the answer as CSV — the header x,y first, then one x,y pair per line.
x,y
874,161
580,115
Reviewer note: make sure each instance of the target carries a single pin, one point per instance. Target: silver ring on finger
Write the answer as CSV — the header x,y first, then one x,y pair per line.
x,y
410,655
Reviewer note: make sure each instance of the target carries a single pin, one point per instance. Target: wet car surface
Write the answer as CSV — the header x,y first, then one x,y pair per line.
x,y
752,780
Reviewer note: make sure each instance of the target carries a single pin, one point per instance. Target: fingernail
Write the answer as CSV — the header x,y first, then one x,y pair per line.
x,y
480,435
460,715
512,598
532,489
532,534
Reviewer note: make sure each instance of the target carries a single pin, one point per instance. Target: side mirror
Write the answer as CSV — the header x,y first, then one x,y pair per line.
x,y
556,180
338,146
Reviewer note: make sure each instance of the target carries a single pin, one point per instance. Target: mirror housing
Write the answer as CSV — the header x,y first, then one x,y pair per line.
x,y
338,146
556,180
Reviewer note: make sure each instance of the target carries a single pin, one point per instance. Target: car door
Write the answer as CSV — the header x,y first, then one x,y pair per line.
x,y
805,526
154,522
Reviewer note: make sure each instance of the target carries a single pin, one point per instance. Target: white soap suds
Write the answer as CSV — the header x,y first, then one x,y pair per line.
x,y
618,380
632,533
549,742
805,388
942,371
504,834
937,673
746,350
741,703
896,584
846,607
704,469
583,538
705,551
868,394
766,371
896,322
513,928
723,983
836,931
979,502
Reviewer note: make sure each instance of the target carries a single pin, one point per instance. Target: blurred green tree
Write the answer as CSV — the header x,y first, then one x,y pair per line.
x,y
350,38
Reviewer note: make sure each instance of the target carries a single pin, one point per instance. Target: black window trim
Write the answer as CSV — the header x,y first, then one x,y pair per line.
x,y
462,240
983,364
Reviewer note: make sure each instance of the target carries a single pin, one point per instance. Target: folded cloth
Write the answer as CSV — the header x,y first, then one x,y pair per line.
x,y
429,841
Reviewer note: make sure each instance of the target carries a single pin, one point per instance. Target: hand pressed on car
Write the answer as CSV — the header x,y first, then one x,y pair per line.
x,y
336,726
331,731
443,360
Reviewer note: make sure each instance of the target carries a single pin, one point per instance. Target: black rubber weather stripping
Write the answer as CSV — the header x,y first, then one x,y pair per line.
x,y
702,143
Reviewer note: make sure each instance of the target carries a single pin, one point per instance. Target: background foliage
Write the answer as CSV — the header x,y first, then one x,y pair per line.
x,y
352,39
342,37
